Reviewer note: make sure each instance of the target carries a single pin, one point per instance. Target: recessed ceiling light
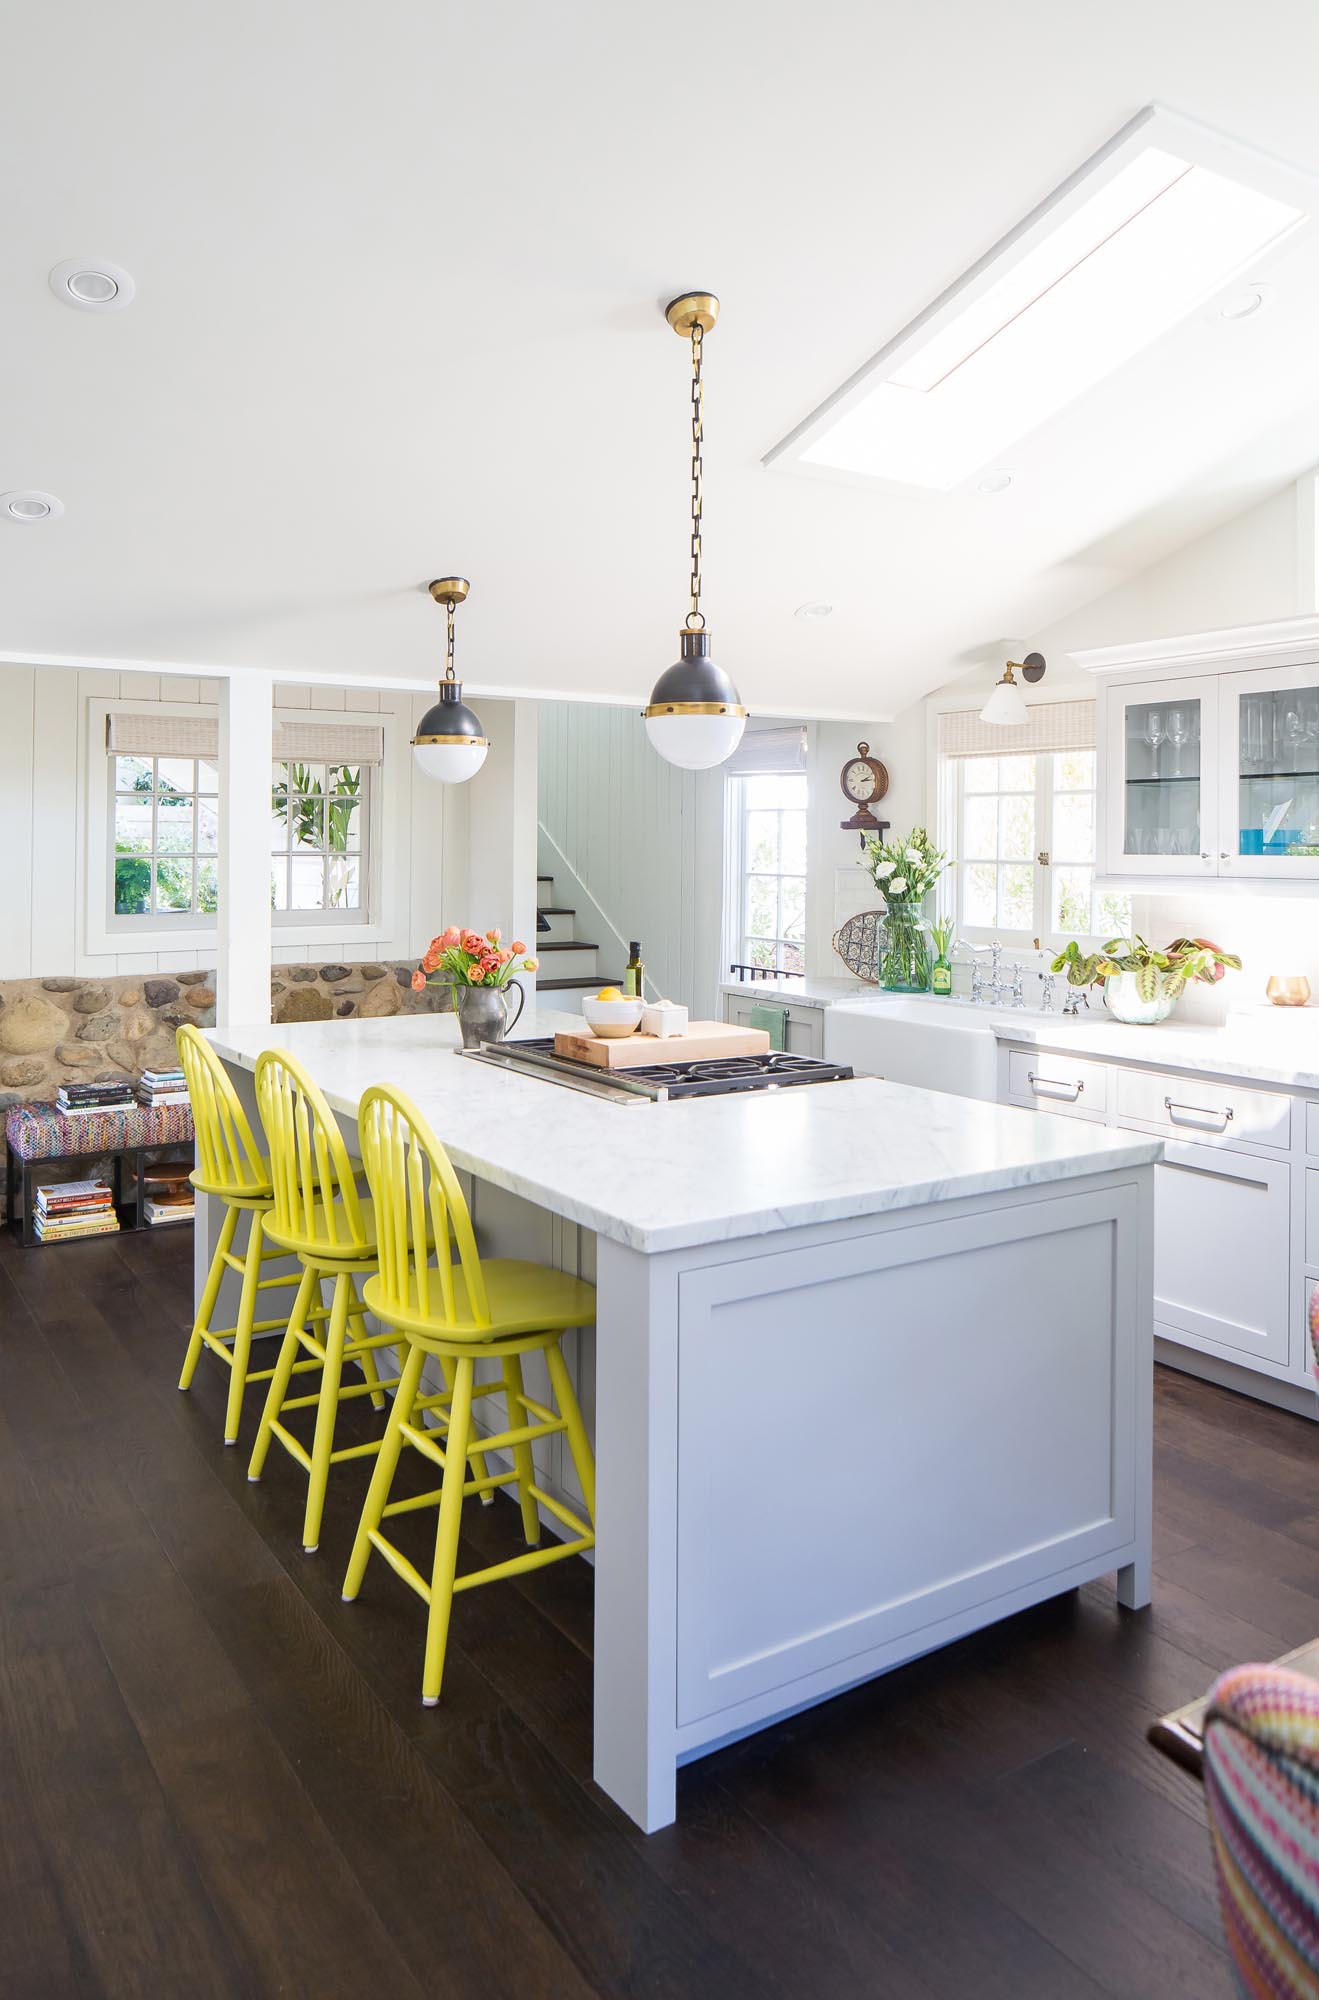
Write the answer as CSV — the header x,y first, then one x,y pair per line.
x,y
994,482
816,609
1244,305
92,284
1153,227
31,507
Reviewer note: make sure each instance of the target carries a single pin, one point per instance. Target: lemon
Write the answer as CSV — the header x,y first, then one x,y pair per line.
x,y
609,993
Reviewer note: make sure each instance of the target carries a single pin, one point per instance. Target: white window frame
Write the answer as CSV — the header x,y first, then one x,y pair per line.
x,y
360,918
106,933
735,877
950,796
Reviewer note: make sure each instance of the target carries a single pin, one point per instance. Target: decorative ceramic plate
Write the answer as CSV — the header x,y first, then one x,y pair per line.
x,y
860,944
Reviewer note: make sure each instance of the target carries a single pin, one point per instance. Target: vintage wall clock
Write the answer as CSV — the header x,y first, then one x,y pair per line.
x,y
864,781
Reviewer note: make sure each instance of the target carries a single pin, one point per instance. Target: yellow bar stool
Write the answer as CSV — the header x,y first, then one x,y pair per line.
x,y
318,1216
230,1167
499,1309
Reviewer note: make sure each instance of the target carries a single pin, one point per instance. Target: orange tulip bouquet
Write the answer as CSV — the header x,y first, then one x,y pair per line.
x,y
472,958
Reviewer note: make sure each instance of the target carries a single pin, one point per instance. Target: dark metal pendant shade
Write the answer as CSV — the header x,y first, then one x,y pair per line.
x,y
694,684
450,720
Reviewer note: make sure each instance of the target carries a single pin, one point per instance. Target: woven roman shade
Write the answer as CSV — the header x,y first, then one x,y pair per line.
x,y
1051,725
769,752
150,733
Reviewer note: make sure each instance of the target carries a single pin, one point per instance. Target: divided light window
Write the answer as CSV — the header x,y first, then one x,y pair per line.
x,y
772,813
1025,848
317,827
164,836
164,839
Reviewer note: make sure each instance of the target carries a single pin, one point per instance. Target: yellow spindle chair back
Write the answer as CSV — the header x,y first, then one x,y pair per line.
x,y
317,1213
229,1163
462,1312
420,1205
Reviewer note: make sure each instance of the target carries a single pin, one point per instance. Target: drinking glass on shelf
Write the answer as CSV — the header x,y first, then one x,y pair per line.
x,y
1293,735
1155,734
1179,735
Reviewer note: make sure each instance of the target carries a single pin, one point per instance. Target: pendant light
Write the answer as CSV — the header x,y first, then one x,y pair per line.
x,y
450,743
1006,707
695,718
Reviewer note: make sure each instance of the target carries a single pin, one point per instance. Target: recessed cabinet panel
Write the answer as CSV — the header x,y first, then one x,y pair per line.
x,y
1221,1240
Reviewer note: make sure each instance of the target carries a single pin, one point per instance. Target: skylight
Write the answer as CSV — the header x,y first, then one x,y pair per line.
x,y
1157,223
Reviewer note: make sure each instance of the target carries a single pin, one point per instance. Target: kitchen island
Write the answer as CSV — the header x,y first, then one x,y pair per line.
x,y
872,1365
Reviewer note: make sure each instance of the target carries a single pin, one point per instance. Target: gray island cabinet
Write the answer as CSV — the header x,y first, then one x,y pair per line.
x,y
871,1367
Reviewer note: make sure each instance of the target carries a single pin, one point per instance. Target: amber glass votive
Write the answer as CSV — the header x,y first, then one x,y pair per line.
x,y
1288,989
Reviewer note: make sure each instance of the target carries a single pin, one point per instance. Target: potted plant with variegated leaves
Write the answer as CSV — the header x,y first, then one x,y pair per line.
x,y
1141,984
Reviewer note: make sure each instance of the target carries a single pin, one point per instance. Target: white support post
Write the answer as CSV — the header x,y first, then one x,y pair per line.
x,y
246,751
501,828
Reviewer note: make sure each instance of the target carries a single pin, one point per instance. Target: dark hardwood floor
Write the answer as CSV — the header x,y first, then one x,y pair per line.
x,y
217,1779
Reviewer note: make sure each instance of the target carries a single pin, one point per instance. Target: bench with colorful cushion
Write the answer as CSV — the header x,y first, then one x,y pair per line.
x,y
38,1134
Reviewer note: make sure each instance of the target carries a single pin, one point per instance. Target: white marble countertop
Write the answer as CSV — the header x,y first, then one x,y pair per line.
x,y
1278,1045
823,992
697,1170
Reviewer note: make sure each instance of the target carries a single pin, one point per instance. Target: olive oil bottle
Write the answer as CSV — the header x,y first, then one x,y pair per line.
x,y
635,973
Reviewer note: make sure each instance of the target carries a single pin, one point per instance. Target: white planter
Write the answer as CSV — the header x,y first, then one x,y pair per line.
x,y
1124,1003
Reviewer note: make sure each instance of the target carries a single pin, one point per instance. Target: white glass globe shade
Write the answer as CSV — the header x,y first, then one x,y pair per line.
x,y
451,763
695,742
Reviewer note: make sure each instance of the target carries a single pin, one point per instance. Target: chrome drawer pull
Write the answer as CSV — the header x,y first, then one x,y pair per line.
x,y
1194,1111
1050,1086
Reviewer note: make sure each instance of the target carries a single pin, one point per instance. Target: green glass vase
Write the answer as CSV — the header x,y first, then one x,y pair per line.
x,y
905,966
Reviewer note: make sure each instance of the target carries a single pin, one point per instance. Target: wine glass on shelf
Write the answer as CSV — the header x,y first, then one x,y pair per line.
x,y
1179,735
1155,734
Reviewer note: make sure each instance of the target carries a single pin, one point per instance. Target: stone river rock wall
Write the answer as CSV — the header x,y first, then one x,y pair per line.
x,y
58,1030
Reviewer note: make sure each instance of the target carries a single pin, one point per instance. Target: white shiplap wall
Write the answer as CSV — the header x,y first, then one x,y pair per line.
x,y
43,755
643,838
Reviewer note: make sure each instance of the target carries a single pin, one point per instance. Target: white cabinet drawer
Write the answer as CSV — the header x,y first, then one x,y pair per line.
x,y
1206,1113
1312,1217
1312,1128
1070,1084
1221,1240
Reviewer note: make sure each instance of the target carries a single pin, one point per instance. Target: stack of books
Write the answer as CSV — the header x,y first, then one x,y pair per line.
x,y
84,1097
167,1194
74,1208
161,1086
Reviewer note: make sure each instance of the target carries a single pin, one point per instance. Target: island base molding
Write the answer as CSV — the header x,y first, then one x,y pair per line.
x,y
823,1453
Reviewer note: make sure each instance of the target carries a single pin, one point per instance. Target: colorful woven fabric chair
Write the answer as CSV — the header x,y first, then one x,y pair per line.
x,y
459,1312
1261,1771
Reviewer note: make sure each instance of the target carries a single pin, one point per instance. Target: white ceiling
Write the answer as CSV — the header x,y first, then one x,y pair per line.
x,y
400,269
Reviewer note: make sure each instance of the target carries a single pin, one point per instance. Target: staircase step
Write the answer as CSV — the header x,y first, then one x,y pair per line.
x,y
555,910
555,926
588,986
568,958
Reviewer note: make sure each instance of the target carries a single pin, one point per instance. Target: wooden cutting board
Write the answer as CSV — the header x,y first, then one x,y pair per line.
x,y
703,1039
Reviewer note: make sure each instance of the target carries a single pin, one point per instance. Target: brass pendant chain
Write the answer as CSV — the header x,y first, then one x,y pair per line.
x,y
695,617
449,672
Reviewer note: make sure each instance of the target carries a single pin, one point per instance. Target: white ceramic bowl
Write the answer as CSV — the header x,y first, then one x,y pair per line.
x,y
612,1018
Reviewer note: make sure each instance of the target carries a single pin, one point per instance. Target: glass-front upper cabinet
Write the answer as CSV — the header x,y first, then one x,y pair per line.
x,y
1269,809
1162,788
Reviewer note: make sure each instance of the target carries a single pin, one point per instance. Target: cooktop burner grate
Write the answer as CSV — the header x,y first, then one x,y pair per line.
x,y
714,1076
